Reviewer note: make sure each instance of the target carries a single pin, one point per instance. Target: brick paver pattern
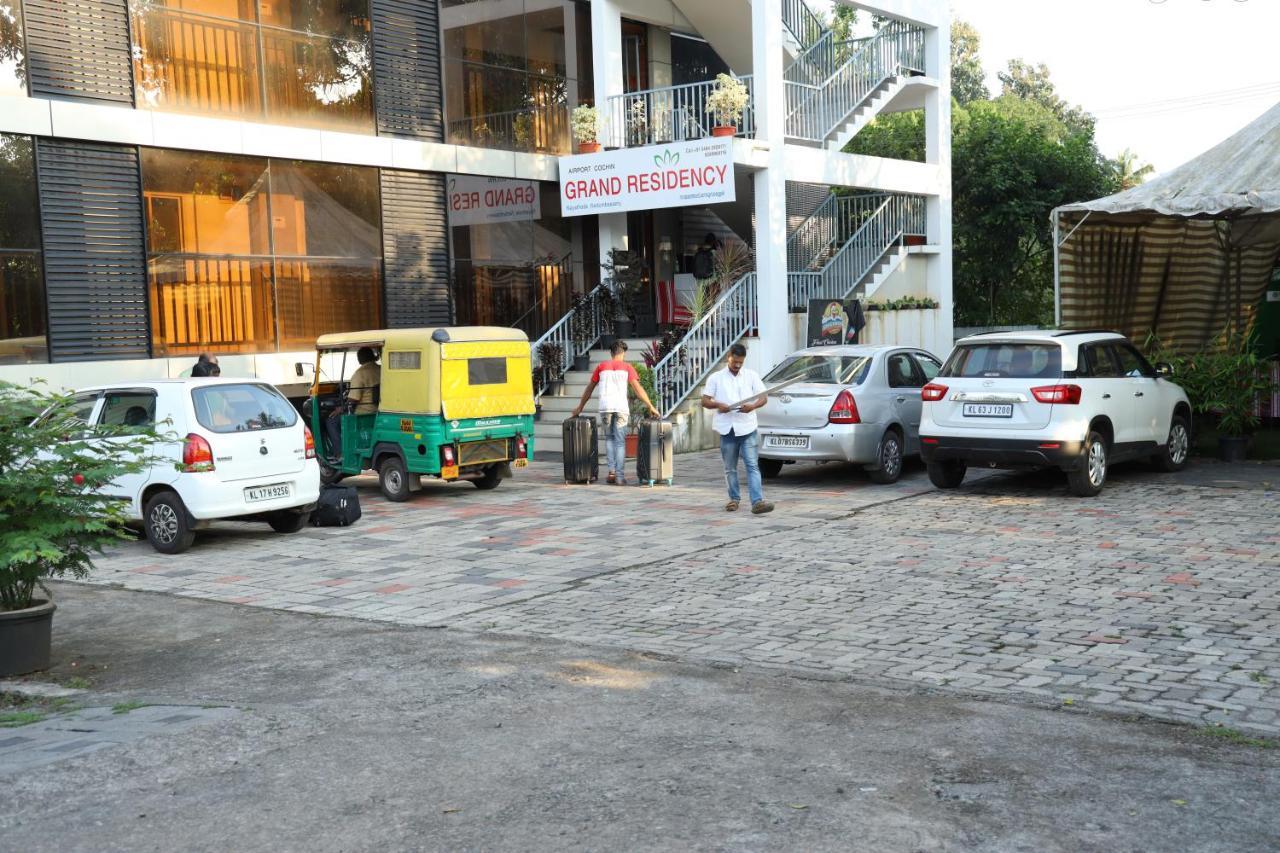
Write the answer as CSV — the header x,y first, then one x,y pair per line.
x,y
1158,597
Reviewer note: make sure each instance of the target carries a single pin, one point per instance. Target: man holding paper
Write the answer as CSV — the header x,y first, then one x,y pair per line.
x,y
735,393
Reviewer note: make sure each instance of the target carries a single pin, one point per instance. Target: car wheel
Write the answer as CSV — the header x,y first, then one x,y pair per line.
x,y
288,521
948,474
888,459
490,480
166,521
770,468
1088,480
393,479
1177,447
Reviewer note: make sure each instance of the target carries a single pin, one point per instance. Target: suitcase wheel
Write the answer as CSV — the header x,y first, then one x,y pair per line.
x,y
669,481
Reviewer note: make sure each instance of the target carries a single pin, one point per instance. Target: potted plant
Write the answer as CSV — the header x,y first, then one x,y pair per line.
x,y
726,103
580,329
53,516
625,272
551,364
607,307
1231,378
638,123
586,128
638,411
522,129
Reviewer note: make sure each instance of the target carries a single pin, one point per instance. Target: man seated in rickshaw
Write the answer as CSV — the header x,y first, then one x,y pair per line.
x,y
362,392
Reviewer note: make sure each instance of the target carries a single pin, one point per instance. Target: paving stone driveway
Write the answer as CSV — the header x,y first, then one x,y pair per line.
x,y
1160,597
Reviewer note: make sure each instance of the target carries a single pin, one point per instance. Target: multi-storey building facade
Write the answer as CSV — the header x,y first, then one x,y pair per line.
x,y
240,176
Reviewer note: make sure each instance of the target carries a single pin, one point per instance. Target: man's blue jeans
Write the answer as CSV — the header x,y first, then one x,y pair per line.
x,y
747,446
614,425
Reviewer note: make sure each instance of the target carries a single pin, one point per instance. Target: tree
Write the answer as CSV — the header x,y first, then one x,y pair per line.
x,y
1128,174
968,81
1032,83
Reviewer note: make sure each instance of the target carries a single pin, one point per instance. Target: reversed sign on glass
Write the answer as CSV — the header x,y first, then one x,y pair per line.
x,y
677,174
475,200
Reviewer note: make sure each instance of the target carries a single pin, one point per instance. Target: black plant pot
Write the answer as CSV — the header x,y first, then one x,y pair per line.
x,y
624,328
1233,448
582,362
606,341
555,388
25,638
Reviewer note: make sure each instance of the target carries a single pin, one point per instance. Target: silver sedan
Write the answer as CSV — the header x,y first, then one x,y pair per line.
x,y
857,404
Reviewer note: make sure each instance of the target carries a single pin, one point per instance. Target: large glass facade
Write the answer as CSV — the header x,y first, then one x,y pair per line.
x,y
22,305
521,274
13,64
248,255
302,62
513,71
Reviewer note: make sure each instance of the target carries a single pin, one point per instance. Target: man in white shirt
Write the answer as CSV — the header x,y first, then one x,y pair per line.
x,y
737,426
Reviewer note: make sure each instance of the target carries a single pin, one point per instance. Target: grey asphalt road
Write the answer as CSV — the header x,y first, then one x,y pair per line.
x,y
360,736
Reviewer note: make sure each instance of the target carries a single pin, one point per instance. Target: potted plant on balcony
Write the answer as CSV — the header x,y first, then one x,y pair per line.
x,y
726,103
586,128
522,130
54,518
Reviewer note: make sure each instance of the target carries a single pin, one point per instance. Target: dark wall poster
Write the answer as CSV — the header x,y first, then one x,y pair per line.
x,y
834,321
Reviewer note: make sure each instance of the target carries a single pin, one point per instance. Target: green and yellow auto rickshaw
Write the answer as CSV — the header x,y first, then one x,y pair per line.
x,y
454,403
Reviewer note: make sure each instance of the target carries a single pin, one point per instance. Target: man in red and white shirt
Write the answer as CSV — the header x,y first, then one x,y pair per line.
x,y
613,377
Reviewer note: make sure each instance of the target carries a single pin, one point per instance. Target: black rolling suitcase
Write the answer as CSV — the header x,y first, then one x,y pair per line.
x,y
581,450
655,452
339,506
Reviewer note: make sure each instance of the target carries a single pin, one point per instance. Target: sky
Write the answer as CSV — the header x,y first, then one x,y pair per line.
x,y
1166,78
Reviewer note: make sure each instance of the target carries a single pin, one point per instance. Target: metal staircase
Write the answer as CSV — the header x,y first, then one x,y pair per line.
x,y
850,244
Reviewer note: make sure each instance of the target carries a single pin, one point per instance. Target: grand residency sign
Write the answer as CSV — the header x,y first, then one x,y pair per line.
x,y
678,174
481,201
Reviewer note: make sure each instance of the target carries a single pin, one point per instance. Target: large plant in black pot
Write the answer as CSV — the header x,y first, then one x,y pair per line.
x,y
551,367
54,514
1232,378
624,276
582,329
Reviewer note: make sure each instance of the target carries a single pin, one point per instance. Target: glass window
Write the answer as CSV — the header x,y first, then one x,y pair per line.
x,y
486,371
237,408
23,337
509,81
76,413
928,365
13,65
129,409
1006,361
1097,363
294,61
1131,362
251,255
821,369
901,372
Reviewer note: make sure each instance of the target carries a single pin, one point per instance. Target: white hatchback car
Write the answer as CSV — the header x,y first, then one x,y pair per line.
x,y
225,449
1078,401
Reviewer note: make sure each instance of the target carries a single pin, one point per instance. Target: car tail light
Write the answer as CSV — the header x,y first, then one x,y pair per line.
x,y
522,447
310,442
844,410
447,457
1065,394
197,455
933,392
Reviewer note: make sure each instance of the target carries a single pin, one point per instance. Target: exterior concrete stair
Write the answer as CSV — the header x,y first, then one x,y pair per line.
x,y
878,274
547,432
870,107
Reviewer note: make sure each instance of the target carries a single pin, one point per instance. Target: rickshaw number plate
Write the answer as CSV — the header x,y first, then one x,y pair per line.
x,y
449,472
522,463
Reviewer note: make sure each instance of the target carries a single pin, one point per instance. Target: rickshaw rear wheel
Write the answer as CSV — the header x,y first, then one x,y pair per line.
x,y
491,478
330,475
393,478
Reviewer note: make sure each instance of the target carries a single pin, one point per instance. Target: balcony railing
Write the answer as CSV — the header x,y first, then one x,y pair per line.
x,y
669,114
832,79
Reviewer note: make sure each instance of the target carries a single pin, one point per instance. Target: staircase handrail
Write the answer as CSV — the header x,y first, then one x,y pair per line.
x,y
704,346
562,333
802,21
565,263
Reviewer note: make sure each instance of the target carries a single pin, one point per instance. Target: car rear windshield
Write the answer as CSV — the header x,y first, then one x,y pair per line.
x,y
242,408
821,369
1005,361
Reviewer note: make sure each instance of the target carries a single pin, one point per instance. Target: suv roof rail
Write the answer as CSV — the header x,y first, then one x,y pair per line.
x,y
992,332
1067,332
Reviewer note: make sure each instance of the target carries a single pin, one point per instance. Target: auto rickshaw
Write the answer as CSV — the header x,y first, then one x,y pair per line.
x,y
454,403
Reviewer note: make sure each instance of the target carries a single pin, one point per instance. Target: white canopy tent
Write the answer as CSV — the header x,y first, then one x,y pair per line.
x,y
1185,256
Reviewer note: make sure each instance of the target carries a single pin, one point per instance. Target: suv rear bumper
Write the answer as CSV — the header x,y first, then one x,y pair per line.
x,y
1003,452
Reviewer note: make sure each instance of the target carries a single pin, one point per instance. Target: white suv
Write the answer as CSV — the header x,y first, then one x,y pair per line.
x,y
225,449
1078,401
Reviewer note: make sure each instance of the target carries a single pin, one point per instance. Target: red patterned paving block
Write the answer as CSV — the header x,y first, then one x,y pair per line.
x,y
564,552
383,528
1182,579
1011,579
231,578
1104,639
333,582
510,583
747,570
704,631
392,588
1132,593
244,599
1244,552
1107,545
150,569
1198,558
1009,529
909,562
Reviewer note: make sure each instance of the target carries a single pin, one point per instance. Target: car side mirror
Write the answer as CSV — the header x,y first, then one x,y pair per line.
x,y
1164,370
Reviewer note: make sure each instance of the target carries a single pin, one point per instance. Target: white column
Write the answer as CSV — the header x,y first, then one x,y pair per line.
x,y
606,63
770,185
937,143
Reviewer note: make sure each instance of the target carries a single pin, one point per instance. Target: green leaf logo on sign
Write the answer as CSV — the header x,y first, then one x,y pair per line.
x,y
666,158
